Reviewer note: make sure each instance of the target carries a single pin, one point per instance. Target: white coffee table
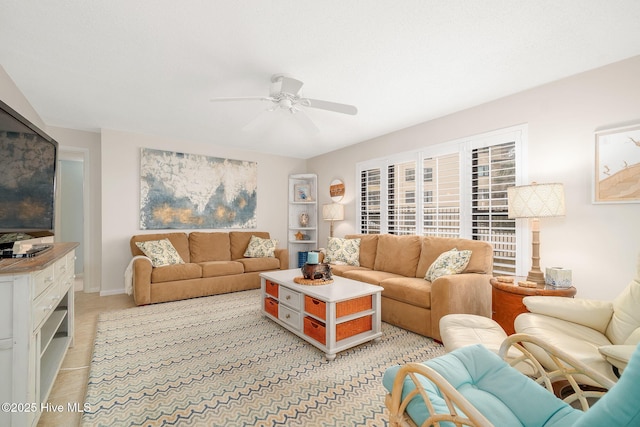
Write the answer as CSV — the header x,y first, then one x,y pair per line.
x,y
331,317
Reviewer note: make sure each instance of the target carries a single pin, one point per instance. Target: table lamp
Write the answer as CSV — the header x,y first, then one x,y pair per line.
x,y
536,201
332,212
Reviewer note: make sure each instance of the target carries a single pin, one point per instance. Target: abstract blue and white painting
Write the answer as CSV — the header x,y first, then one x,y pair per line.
x,y
192,191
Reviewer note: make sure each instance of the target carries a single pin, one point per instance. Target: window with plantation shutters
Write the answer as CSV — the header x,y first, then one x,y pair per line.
x,y
369,212
401,198
455,189
493,171
441,196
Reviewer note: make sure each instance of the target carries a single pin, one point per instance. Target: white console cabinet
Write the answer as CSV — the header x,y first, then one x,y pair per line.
x,y
36,329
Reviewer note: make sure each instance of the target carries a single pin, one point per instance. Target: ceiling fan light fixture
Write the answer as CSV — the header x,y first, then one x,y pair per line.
x,y
285,103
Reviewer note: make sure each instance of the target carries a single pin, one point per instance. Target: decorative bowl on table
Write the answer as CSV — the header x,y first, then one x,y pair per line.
x,y
316,271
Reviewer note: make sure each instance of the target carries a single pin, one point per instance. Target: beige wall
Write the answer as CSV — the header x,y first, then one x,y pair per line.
x,y
600,243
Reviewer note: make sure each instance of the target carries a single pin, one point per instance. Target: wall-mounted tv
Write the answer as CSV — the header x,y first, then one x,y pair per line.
x,y
28,160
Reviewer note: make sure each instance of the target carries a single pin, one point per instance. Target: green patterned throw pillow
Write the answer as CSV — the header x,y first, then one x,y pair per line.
x,y
161,252
261,248
343,251
450,262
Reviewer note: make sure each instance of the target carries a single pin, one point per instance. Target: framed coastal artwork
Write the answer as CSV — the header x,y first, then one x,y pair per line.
x,y
193,191
617,165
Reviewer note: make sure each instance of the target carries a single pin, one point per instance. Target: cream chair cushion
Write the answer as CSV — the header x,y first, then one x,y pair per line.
x,y
578,340
626,313
590,313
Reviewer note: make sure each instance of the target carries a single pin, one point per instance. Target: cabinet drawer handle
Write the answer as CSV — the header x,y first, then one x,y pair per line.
x,y
288,297
288,316
315,301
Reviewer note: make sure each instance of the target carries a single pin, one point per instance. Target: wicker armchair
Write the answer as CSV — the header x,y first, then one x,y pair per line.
x,y
473,386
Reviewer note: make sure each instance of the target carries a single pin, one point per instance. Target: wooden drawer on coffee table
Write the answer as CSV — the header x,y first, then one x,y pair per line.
x,y
271,288
271,306
290,317
315,329
353,327
315,307
290,298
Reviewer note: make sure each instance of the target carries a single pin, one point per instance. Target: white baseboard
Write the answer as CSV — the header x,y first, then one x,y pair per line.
x,y
112,292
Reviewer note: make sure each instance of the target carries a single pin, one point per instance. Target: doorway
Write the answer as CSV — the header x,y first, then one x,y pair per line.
x,y
71,224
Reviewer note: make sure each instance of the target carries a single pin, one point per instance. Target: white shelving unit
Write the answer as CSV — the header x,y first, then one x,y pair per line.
x,y
36,329
303,198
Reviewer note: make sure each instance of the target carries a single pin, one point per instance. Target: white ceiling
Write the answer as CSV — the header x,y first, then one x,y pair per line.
x,y
151,66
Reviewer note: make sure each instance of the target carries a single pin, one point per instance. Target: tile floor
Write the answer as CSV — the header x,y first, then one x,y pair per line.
x,y
71,384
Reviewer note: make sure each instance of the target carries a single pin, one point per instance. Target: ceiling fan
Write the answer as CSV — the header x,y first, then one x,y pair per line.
x,y
285,95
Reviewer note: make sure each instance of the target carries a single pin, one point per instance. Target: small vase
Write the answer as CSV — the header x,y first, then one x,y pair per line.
x,y
304,219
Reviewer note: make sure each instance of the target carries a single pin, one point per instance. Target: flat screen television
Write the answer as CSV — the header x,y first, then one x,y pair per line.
x,y
28,159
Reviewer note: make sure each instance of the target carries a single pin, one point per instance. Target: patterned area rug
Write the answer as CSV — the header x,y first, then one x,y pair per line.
x,y
217,361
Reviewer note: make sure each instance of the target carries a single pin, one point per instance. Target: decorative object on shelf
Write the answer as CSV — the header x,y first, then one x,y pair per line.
x,y
558,277
617,165
302,193
536,201
316,271
299,235
336,190
332,212
304,219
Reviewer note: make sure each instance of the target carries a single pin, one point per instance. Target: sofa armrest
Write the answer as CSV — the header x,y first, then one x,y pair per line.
x,y
593,314
467,293
142,281
283,256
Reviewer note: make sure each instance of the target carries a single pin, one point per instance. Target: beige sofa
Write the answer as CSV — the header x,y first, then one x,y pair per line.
x,y
214,263
399,264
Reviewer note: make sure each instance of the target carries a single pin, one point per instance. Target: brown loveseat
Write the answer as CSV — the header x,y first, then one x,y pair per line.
x,y
399,264
214,263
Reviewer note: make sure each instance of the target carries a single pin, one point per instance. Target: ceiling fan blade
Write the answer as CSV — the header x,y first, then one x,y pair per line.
x,y
330,106
305,122
243,98
286,84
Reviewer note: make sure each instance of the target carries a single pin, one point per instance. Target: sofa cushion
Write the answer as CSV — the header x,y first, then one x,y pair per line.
x,y
180,242
368,248
259,247
259,264
340,270
412,290
398,254
175,272
221,268
160,252
450,262
239,241
343,251
369,276
481,260
205,247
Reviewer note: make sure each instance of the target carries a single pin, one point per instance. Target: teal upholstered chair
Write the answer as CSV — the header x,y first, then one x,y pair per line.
x,y
473,386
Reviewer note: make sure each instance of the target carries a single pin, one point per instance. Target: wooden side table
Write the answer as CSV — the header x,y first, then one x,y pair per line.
x,y
506,300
